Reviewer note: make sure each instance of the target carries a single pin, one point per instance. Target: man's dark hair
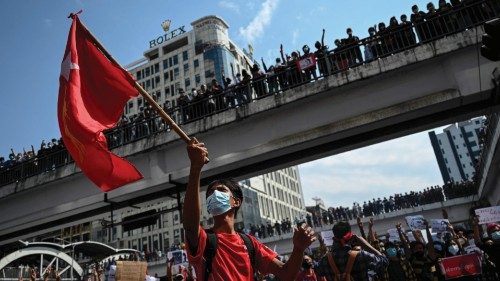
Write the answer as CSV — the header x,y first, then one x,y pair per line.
x,y
340,229
233,186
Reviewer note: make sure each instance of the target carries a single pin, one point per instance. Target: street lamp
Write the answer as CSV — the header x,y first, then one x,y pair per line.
x,y
72,254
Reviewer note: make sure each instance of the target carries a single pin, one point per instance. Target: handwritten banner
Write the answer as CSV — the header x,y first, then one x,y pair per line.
x,y
487,215
327,236
393,235
415,222
130,270
458,266
439,225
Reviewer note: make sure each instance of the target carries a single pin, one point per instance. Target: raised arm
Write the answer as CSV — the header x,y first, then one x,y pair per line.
x,y
191,210
430,244
404,241
264,65
323,39
303,236
360,226
371,233
475,228
282,54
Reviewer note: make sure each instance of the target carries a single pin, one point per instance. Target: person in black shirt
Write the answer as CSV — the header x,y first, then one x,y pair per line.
x,y
418,20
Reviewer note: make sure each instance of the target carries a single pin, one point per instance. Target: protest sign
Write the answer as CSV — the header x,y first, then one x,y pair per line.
x,y
131,270
327,236
458,266
487,215
393,235
307,62
179,256
411,237
439,225
415,222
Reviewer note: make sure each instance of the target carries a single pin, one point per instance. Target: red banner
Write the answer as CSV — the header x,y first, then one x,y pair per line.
x,y
458,266
307,62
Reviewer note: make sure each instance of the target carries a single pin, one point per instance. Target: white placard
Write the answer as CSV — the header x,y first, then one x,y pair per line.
x,y
393,235
327,236
415,222
439,225
487,215
411,237
179,256
111,272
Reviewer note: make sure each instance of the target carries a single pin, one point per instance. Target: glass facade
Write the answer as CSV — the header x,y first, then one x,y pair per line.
x,y
217,60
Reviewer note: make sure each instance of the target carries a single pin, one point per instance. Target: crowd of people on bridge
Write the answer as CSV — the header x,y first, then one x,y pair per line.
x,y
288,71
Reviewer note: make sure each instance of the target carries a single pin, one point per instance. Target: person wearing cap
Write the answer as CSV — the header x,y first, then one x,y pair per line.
x,y
367,259
231,260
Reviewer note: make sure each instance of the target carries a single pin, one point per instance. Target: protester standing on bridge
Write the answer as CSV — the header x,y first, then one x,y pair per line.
x,y
232,260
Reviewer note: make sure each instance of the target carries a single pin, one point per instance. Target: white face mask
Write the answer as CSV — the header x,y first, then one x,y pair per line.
x,y
453,249
218,203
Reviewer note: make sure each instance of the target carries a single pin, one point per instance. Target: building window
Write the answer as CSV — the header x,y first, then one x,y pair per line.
x,y
148,72
197,79
157,67
186,68
469,134
454,137
442,150
456,146
460,155
187,82
170,62
167,91
445,160
139,76
185,56
449,171
196,63
440,143
165,64
463,165
157,80
172,92
473,143
176,59
165,76
176,73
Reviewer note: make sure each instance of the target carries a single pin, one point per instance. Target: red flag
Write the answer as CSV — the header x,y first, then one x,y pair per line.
x,y
92,94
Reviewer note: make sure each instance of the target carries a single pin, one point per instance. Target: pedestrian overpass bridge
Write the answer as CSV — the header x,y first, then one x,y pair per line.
x,y
429,85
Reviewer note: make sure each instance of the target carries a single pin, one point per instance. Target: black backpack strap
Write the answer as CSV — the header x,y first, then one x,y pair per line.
x,y
209,253
250,249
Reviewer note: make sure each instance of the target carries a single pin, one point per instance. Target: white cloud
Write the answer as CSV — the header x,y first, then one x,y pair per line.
x,y
47,22
295,37
263,18
230,6
380,170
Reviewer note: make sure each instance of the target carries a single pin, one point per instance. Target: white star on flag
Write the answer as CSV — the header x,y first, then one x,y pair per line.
x,y
67,65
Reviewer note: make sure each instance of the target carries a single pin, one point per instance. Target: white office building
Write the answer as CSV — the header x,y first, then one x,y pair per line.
x,y
181,59
457,149
274,196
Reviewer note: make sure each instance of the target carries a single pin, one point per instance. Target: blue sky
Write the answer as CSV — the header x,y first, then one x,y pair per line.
x,y
34,35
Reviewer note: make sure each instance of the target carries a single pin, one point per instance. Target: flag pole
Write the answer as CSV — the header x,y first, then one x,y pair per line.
x,y
143,92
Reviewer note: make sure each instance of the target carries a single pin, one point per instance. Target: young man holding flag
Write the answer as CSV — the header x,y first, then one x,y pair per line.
x,y
232,259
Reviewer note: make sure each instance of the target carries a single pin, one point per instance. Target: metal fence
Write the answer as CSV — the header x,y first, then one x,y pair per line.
x,y
349,54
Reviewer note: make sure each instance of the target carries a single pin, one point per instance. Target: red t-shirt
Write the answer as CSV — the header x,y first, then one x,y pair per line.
x,y
303,276
231,261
